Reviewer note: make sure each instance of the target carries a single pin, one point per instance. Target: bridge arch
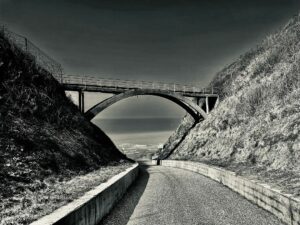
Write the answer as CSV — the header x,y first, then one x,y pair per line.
x,y
192,108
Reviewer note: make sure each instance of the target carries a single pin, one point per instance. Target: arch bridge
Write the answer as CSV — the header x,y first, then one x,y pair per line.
x,y
198,102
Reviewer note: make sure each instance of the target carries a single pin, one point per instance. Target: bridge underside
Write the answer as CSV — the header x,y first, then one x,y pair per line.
x,y
197,107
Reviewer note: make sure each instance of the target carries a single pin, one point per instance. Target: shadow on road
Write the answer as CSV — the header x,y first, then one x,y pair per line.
x,y
121,213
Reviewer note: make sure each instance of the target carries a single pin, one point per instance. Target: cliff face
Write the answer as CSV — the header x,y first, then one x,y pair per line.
x,y
42,133
257,122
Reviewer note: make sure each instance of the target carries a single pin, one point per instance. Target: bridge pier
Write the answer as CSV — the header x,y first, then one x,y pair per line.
x,y
81,101
217,102
207,104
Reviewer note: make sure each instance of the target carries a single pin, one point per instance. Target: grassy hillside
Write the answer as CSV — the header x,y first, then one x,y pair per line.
x,y
176,138
42,134
255,128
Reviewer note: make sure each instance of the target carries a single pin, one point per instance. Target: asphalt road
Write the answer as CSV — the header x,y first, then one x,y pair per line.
x,y
170,196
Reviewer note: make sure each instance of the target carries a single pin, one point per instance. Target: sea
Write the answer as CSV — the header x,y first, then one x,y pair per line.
x,y
138,137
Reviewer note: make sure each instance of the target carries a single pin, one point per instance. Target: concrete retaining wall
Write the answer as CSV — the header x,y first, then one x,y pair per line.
x,y
95,204
155,162
285,207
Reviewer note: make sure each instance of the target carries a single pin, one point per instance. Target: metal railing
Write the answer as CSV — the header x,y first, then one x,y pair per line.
x,y
133,84
41,58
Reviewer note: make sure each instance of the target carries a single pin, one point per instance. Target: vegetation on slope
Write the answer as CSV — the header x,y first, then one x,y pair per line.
x,y
176,138
42,134
255,128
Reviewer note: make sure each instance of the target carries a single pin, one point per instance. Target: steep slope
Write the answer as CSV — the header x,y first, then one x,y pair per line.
x,y
176,138
256,125
42,134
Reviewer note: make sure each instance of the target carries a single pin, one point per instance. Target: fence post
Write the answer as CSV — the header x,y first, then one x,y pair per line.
x,y
60,74
79,100
3,29
26,44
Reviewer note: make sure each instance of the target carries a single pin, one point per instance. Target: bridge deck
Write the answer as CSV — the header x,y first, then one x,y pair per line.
x,y
91,84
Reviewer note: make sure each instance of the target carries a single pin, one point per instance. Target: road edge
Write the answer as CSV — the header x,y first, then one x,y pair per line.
x,y
94,204
283,206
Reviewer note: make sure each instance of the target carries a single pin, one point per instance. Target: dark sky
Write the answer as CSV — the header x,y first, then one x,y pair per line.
x,y
162,40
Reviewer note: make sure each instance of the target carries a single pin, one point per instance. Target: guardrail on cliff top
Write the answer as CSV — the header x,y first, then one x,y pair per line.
x,y
55,68
41,58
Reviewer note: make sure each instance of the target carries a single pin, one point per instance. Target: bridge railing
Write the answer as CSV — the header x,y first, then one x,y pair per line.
x,y
132,84
41,58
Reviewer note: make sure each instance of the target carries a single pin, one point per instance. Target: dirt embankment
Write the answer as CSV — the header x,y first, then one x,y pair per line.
x,y
255,129
43,137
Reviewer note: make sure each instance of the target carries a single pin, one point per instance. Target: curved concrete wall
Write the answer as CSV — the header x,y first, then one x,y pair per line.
x,y
281,205
95,204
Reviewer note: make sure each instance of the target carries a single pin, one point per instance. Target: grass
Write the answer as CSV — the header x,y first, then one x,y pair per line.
x,y
45,142
255,130
54,192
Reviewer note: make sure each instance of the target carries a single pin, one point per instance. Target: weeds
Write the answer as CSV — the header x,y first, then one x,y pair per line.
x,y
42,136
255,128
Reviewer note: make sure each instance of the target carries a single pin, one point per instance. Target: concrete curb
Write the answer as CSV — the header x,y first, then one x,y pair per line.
x,y
93,205
283,206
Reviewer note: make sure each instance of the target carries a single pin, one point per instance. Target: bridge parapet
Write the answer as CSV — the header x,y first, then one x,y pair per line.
x,y
91,83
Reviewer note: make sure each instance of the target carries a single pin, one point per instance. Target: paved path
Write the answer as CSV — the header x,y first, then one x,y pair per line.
x,y
170,196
